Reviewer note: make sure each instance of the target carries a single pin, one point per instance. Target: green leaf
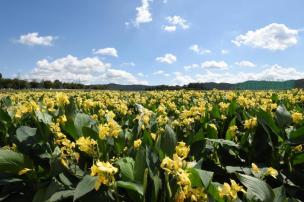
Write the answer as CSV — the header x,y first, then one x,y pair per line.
x,y
61,195
82,120
168,141
296,137
131,186
86,185
205,176
70,128
44,117
298,159
256,188
140,165
12,162
24,134
126,166
283,117
279,194
223,142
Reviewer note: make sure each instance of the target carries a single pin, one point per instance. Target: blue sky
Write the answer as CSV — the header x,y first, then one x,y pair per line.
x,y
152,42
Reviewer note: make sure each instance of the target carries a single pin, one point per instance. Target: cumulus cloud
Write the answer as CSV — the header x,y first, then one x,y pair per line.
x,y
106,52
143,13
182,79
87,70
33,39
272,37
174,22
245,63
167,58
214,64
199,50
192,66
224,51
161,72
270,73
128,64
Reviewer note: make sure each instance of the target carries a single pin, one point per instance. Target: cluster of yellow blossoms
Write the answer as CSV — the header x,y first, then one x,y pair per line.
x,y
177,167
269,171
109,129
87,145
105,172
230,191
250,123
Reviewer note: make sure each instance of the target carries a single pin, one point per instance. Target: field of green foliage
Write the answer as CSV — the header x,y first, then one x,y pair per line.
x,y
151,146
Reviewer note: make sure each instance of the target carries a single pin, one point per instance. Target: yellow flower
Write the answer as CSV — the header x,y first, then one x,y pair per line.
x,y
86,145
230,191
110,129
153,136
224,190
24,171
137,143
62,99
105,172
271,171
297,117
298,148
62,119
212,125
250,123
183,178
233,130
182,150
254,168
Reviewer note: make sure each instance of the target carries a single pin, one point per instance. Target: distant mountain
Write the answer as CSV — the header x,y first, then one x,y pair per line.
x,y
248,85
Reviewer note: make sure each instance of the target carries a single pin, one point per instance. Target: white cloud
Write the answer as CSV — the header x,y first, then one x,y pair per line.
x,y
214,64
272,37
182,79
199,50
140,74
128,64
87,70
224,51
174,22
192,66
245,63
32,39
167,58
271,73
106,52
143,14
169,28
158,72
161,72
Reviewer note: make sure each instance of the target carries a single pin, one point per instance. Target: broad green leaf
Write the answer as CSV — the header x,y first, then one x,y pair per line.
x,y
296,137
256,188
131,186
140,165
82,120
168,141
283,117
44,117
126,166
13,162
25,134
279,194
223,142
86,185
298,159
205,176
61,195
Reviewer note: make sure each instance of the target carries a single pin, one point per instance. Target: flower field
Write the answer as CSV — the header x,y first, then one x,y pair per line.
x,y
151,146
